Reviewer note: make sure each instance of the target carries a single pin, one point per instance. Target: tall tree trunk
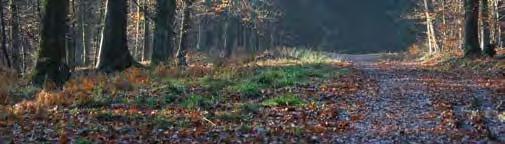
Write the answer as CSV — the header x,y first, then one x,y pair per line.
x,y
100,27
114,54
82,33
486,33
138,21
49,66
432,40
4,36
71,40
163,31
497,17
233,25
184,34
146,53
471,44
15,35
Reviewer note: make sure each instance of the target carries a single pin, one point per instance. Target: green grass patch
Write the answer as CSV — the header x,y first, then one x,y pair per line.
x,y
230,117
248,89
214,84
198,101
285,100
290,76
175,86
250,108
250,85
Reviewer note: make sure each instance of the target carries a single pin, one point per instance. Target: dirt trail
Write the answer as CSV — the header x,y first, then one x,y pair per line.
x,y
415,105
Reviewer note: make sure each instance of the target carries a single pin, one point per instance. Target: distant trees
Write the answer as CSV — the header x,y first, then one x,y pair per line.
x,y
70,35
470,28
49,66
113,54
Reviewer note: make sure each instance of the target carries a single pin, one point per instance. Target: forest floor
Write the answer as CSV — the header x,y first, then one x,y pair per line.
x,y
365,100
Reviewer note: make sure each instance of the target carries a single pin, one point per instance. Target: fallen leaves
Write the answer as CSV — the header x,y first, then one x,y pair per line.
x,y
382,102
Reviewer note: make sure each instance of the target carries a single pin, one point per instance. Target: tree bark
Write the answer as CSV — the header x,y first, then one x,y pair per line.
x,y
486,33
4,36
432,40
138,21
233,25
163,31
471,44
146,53
184,34
49,66
114,54
16,39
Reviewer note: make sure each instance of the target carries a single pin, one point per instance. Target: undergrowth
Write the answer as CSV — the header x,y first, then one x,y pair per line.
x,y
198,87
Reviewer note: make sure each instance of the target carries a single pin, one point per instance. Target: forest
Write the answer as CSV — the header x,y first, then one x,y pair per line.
x,y
252,71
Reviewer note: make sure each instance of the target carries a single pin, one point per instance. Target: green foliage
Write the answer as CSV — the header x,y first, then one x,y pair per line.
x,y
285,100
175,86
248,89
290,76
214,84
197,101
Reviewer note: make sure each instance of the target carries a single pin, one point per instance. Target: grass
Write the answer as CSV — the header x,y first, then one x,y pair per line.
x,y
198,101
248,89
285,100
185,90
305,55
191,101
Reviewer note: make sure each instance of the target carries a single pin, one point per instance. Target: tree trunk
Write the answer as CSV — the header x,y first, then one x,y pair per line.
x,y
138,21
4,36
232,35
99,30
15,35
163,31
72,42
184,34
49,66
432,40
486,33
471,44
82,33
114,54
146,53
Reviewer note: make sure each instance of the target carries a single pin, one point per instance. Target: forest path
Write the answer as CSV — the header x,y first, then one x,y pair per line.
x,y
409,104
